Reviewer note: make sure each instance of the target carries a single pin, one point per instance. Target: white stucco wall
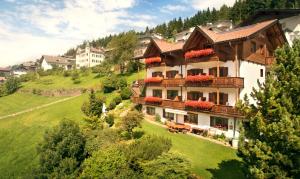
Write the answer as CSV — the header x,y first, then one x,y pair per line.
x,y
87,58
251,74
45,65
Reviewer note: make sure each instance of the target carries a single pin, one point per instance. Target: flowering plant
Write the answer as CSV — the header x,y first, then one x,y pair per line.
x,y
153,60
206,105
198,78
151,99
198,53
153,80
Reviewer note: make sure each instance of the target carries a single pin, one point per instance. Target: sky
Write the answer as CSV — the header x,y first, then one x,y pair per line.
x,y
31,28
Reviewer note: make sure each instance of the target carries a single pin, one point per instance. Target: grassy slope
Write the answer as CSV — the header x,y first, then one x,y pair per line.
x,y
59,82
19,101
209,160
20,135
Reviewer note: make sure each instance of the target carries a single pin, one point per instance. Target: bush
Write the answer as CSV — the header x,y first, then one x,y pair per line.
x,y
117,99
11,85
110,119
75,75
110,84
31,76
148,148
77,81
157,118
67,73
61,151
84,71
122,83
37,91
112,105
132,120
93,107
126,93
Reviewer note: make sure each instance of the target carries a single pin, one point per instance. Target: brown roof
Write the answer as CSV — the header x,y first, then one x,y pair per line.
x,y
57,60
4,69
237,33
165,46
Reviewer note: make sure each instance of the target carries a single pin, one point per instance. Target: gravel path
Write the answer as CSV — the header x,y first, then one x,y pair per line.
x,y
37,107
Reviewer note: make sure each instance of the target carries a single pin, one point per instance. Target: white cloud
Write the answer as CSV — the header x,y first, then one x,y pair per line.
x,y
173,8
52,28
204,4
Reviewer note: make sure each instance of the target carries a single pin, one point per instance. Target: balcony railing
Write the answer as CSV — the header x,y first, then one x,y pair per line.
x,y
216,109
220,82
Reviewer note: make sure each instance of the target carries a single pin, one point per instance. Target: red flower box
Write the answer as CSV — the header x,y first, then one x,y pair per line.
x,y
198,53
152,60
199,104
198,78
153,80
151,99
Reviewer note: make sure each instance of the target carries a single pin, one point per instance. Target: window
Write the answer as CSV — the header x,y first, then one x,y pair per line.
x,y
157,93
253,47
213,97
194,95
261,72
213,71
171,94
219,122
171,74
223,98
191,118
195,71
157,73
150,110
223,71
168,115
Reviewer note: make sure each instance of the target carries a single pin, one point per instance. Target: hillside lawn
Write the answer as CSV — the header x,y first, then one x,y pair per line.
x,y
60,82
20,101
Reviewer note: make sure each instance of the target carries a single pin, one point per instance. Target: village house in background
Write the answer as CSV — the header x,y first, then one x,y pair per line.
x,y
4,73
48,62
288,18
89,56
197,82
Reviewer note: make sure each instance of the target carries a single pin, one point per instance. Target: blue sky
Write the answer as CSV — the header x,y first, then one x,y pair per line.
x,y
31,28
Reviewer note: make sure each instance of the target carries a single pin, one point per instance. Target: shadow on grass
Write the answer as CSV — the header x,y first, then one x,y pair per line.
x,y
228,169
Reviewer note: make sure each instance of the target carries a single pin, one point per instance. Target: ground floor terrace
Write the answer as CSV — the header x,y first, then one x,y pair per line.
x,y
198,122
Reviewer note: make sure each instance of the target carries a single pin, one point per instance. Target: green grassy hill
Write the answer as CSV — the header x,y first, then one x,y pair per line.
x,y
20,135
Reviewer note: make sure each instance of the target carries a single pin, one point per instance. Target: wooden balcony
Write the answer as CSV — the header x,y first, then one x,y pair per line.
x,y
229,111
218,82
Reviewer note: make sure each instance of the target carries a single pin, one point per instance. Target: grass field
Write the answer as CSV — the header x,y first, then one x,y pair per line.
x,y
209,160
20,135
59,81
19,101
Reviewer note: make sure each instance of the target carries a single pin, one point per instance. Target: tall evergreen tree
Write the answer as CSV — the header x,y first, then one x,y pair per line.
x,y
273,149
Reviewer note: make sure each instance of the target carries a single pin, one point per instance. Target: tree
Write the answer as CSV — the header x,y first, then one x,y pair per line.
x,y
109,163
110,83
94,106
61,151
11,85
126,93
168,165
273,149
132,120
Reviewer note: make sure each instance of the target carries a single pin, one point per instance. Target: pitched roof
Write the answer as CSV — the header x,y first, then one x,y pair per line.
x,y
5,69
237,33
57,60
165,46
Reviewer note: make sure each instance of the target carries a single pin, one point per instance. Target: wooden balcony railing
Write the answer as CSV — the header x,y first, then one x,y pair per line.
x,y
216,109
219,82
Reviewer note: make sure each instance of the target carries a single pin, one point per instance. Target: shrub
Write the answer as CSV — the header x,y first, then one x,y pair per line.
x,y
132,120
77,81
61,151
117,99
110,84
112,105
126,93
37,91
157,118
28,77
148,148
84,71
122,83
110,119
11,85
93,107
66,73
75,75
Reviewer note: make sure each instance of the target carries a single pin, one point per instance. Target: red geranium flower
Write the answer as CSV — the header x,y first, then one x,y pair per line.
x,y
153,60
198,78
153,80
198,53
206,105
151,99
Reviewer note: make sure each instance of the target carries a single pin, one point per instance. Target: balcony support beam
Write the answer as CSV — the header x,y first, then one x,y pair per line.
x,y
218,96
